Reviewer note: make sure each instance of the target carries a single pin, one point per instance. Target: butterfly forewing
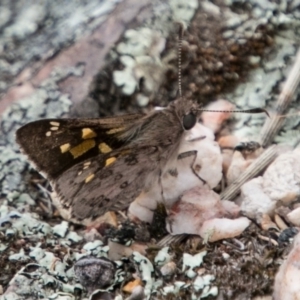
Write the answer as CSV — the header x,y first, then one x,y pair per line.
x,y
55,145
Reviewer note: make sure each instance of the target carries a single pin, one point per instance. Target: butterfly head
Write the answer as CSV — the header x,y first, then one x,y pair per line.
x,y
187,112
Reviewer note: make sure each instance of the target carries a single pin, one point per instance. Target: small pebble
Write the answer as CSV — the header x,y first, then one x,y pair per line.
x,y
94,273
168,269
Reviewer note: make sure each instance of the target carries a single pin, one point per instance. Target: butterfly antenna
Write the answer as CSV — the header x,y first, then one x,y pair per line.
x,y
256,110
246,111
180,37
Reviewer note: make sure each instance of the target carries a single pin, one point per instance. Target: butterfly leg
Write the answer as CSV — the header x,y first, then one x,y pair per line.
x,y
202,137
193,154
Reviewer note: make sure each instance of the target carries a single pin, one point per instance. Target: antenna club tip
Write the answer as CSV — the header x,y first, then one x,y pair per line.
x,y
257,110
182,26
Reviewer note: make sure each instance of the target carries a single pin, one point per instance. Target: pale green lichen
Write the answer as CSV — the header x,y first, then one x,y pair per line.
x,y
202,281
183,10
192,261
19,256
173,288
145,46
96,248
146,270
61,229
162,257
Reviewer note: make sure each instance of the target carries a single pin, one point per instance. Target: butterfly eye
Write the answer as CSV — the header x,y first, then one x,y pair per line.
x,y
189,121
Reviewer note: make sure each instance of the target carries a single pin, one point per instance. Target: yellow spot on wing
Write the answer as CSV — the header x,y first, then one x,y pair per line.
x,y
86,164
65,147
88,133
109,161
53,128
54,123
48,133
115,130
89,178
104,148
82,148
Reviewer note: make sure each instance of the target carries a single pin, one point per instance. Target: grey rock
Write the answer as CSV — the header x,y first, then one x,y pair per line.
x,y
95,273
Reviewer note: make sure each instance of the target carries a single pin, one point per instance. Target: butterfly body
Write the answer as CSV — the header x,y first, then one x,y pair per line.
x,y
198,165
100,165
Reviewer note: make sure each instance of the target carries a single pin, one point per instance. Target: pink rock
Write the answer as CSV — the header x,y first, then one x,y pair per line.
x,y
255,202
201,212
228,141
286,284
214,120
281,181
217,229
227,158
294,216
195,207
227,144
238,165
242,158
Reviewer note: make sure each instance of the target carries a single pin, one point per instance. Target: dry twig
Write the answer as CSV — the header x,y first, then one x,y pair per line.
x,y
274,124
253,170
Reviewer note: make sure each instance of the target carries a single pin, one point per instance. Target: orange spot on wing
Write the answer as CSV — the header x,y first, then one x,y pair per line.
x,y
82,148
88,133
109,161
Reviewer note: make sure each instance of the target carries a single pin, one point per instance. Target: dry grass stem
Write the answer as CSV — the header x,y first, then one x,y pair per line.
x,y
253,170
274,124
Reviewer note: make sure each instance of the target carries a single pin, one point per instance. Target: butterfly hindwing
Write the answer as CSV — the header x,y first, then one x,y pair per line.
x,y
55,145
109,183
